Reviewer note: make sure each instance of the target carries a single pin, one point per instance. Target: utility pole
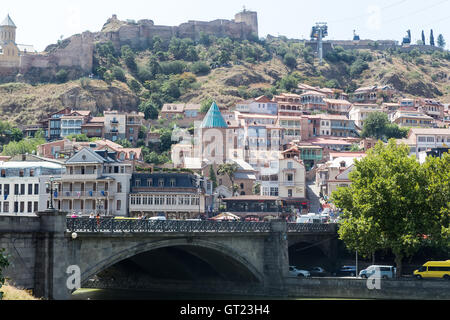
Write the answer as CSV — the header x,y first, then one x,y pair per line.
x,y
319,31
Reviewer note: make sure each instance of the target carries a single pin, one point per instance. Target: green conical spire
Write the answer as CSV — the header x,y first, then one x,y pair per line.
x,y
213,118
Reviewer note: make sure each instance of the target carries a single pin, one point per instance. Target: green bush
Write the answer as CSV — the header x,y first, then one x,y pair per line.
x,y
61,76
118,74
200,68
172,67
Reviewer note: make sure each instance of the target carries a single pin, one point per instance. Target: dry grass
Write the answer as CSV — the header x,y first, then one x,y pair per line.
x,y
13,293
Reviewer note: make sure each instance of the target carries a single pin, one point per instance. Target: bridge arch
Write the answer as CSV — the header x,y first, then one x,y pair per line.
x,y
128,252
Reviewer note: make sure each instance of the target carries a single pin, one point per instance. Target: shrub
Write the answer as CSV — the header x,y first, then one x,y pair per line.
x,y
118,74
173,67
61,76
200,68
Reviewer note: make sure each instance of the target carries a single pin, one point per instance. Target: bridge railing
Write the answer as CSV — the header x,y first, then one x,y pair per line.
x,y
310,227
143,226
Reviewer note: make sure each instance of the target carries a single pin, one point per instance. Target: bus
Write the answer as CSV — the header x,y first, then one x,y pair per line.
x,y
434,269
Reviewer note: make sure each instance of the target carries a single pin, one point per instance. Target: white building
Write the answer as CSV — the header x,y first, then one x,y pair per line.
x,y
360,112
23,186
422,139
95,181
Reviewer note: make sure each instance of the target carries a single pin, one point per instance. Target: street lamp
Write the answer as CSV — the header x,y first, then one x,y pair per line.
x,y
49,184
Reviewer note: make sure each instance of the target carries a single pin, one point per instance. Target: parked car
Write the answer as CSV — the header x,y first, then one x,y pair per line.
x,y
318,272
434,269
294,272
346,271
383,272
158,218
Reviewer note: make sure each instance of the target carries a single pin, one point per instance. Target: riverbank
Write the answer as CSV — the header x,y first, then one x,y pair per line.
x,y
13,293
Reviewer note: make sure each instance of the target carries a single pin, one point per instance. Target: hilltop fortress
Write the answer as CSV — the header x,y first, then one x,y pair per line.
x,y
75,54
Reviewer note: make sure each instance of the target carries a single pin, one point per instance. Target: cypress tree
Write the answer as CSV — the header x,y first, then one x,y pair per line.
x,y
423,37
431,38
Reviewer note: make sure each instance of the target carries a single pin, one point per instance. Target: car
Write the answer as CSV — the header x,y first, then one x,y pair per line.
x,y
317,272
434,269
346,271
294,272
383,272
158,218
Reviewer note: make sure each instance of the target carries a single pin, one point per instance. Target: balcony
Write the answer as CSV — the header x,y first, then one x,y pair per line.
x,y
114,121
289,170
311,157
114,130
79,176
82,194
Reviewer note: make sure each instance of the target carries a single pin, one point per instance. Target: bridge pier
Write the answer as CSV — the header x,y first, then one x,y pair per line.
x,y
276,259
51,257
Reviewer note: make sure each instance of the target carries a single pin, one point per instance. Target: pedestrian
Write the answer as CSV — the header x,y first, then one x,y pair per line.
x,y
91,216
98,220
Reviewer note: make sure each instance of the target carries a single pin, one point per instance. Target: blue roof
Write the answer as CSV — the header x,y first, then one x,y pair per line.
x,y
213,118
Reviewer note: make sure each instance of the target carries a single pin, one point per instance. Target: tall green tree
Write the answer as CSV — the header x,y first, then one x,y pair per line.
x,y
431,38
378,126
385,206
213,177
441,41
423,38
228,169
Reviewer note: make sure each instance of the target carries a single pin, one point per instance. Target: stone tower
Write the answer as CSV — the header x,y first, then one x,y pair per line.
x,y
8,30
248,17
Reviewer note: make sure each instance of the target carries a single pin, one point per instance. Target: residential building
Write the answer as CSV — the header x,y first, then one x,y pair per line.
x,y
258,105
309,154
337,106
289,104
373,94
313,101
71,123
435,152
359,112
23,185
115,125
333,125
423,139
134,121
292,183
183,114
171,111
431,108
53,124
334,173
94,128
173,195
405,118
95,181
294,128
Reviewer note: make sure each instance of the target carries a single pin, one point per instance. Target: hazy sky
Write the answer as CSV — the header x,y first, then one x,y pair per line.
x,y
43,22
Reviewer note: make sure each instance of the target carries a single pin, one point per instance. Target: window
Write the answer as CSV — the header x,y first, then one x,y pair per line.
x,y
0,188
119,187
36,206
21,173
290,193
137,183
22,206
22,189
30,188
36,188
161,182
31,173
149,182
6,207
29,207
16,190
172,182
119,204
430,139
290,165
289,177
3,173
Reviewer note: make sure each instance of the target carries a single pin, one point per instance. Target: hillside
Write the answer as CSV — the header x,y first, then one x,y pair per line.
x,y
222,69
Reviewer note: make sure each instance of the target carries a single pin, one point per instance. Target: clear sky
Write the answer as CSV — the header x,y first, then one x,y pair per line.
x,y
43,22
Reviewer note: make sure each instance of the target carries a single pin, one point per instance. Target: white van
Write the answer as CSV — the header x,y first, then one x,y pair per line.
x,y
383,272
310,218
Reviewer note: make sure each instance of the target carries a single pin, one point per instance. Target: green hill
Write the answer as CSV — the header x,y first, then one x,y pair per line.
x,y
224,70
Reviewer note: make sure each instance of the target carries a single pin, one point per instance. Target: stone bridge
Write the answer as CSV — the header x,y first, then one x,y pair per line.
x,y
41,248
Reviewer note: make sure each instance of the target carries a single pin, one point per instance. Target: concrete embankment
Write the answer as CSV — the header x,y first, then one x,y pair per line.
x,y
359,288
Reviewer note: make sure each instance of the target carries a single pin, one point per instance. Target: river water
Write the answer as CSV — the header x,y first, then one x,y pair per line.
x,y
113,294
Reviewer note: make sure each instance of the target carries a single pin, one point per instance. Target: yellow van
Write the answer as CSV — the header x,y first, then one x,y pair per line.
x,y
434,269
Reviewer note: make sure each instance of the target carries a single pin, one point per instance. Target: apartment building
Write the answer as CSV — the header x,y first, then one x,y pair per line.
x,y
359,112
94,181
373,94
258,105
71,123
406,118
289,104
423,139
173,195
23,185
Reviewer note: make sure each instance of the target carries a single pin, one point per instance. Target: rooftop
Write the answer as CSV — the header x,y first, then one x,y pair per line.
x,y
7,22
213,118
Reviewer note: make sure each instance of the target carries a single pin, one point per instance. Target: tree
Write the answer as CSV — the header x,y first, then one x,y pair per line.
x,y
129,57
256,189
423,38
228,169
378,126
61,76
206,105
119,74
3,264
213,177
441,41
431,38
150,110
200,68
385,206
124,143
290,60
78,137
